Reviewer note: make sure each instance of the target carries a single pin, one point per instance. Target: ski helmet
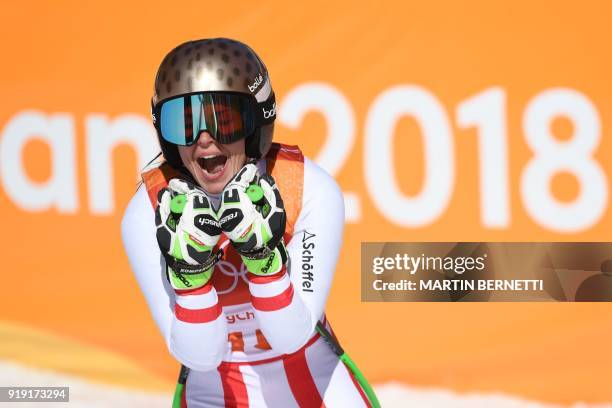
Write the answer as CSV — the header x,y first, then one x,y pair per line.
x,y
215,65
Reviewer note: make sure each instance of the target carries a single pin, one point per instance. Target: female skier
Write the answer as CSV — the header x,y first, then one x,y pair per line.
x,y
234,239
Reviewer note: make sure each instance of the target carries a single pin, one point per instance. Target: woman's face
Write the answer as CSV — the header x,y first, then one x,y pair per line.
x,y
213,164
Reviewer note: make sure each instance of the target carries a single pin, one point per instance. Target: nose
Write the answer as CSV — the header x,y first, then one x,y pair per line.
x,y
205,139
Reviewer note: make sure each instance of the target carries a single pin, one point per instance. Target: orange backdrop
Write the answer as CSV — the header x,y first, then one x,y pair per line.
x,y
449,85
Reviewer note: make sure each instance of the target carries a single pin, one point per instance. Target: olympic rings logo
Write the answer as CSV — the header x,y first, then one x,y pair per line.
x,y
229,269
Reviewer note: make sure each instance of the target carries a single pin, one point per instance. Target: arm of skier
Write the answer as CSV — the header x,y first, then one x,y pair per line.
x,y
193,335
289,306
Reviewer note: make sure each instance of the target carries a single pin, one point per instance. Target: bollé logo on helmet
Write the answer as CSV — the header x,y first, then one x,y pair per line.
x,y
258,80
271,112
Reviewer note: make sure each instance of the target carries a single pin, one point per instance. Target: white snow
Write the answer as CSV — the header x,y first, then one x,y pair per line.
x,y
86,394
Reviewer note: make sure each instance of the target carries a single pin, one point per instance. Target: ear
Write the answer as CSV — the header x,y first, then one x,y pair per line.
x,y
153,118
258,144
252,145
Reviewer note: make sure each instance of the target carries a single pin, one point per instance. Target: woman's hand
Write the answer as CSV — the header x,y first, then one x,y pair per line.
x,y
253,217
187,231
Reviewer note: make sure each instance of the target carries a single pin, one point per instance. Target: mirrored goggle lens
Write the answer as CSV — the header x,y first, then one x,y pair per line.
x,y
226,117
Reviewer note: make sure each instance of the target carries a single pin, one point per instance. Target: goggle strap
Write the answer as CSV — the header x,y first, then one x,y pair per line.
x,y
266,111
188,118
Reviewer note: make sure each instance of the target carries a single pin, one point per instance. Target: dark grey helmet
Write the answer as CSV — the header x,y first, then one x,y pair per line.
x,y
216,64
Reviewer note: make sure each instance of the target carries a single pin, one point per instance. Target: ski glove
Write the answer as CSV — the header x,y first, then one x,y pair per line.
x,y
187,231
253,217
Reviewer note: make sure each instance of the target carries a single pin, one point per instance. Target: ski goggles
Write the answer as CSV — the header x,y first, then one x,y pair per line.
x,y
227,116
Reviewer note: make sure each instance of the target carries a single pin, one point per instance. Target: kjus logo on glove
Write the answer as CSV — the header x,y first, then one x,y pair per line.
x,y
270,113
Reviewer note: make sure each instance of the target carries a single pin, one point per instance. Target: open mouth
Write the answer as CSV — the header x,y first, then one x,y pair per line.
x,y
213,165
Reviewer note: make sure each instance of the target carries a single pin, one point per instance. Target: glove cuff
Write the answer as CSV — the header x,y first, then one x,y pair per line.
x,y
268,264
183,276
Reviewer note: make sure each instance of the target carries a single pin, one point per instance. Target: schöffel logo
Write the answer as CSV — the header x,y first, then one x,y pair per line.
x,y
271,112
258,80
307,260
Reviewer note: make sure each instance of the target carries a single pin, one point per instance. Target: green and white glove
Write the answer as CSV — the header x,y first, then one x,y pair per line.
x,y
253,217
187,231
